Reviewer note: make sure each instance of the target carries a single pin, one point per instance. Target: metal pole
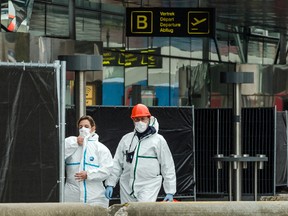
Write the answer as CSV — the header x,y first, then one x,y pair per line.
x,y
282,50
80,88
58,126
230,181
72,29
62,131
194,160
0,18
255,180
237,178
286,118
58,80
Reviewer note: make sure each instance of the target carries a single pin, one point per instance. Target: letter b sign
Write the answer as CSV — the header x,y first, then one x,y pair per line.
x,y
142,22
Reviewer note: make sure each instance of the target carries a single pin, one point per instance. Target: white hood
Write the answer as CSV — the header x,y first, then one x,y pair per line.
x,y
154,123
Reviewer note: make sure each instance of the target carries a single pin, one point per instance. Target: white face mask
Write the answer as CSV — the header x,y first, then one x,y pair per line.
x,y
141,126
84,131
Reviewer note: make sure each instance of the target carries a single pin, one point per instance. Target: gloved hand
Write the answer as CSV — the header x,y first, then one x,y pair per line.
x,y
109,192
168,197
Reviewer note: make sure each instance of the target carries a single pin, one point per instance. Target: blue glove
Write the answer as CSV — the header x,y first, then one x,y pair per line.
x,y
109,192
168,197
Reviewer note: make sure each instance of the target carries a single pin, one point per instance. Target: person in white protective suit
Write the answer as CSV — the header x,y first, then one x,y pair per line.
x,y
88,164
142,160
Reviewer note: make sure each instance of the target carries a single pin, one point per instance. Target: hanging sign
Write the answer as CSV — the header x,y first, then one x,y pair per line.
x,y
170,22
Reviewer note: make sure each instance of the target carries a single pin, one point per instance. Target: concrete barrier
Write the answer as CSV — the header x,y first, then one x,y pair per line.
x,y
277,197
279,208
51,209
260,208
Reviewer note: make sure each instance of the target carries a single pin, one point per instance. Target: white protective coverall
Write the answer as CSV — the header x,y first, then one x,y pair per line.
x,y
140,181
96,159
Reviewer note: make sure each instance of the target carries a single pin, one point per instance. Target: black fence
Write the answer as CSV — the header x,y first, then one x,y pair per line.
x,y
29,143
213,135
29,140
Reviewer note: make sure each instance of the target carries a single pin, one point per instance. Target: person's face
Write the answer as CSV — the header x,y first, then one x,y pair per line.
x,y
143,119
141,123
85,123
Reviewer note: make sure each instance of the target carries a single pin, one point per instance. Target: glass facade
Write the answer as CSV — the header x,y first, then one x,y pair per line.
x,y
161,71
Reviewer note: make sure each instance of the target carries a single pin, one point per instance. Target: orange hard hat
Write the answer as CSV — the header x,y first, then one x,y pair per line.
x,y
140,110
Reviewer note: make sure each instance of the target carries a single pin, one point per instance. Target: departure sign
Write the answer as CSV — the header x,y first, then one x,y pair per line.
x,y
170,22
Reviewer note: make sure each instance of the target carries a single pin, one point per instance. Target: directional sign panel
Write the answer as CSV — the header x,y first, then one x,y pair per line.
x,y
133,58
170,22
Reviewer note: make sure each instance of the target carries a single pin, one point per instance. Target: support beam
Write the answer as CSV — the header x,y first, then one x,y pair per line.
x,y
282,49
72,23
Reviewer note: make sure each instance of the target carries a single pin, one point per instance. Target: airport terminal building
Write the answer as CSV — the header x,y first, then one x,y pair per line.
x,y
164,66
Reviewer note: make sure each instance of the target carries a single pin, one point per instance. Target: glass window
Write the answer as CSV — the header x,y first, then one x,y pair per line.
x,y
37,22
64,2
137,43
175,64
54,14
255,52
228,47
181,47
135,80
270,51
220,93
112,32
160,41
59,15
159,79
113,6
113,85
132,72
213,51
95,4
196,48
87,25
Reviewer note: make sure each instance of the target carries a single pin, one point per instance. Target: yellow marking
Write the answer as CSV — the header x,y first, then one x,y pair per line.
x,y
198,21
